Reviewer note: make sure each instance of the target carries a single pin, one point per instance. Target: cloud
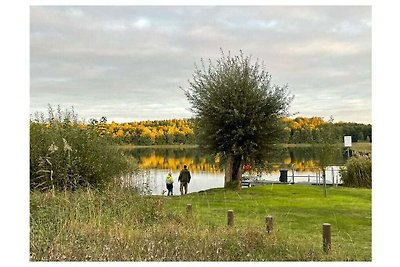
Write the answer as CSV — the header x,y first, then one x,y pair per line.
x,y
115,26
128,62
141,23
75,12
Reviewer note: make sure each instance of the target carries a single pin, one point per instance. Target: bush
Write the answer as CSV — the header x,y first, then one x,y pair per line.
x,y
357,172
64,156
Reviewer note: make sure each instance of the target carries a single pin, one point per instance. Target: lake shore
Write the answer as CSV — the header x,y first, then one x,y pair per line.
x,y
359,147
130,146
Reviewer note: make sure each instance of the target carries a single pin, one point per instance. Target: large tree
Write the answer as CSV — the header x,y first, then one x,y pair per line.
x,y
237,111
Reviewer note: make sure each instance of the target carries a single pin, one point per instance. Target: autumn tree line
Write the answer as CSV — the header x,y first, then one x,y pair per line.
x,y
312,130
182,131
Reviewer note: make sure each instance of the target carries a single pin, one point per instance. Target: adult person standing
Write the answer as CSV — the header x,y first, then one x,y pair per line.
x,y
184,178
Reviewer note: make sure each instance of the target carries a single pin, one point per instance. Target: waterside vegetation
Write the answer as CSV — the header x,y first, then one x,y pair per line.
x,y
65,157
120,225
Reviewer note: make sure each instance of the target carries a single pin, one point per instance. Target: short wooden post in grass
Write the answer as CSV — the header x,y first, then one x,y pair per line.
x,y
326,237
269,223
230,217
189,210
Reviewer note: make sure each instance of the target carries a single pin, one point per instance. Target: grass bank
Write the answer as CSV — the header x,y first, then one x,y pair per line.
x,y
361,147
129,146
119,225
358,146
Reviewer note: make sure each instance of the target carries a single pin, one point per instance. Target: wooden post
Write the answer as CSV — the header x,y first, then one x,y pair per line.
x,y
292,174
269,223
189,210
333,177
308,178
324,181
326,237
230,217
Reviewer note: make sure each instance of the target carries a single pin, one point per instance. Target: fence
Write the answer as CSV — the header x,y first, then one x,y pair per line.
x,y
291,176
332,176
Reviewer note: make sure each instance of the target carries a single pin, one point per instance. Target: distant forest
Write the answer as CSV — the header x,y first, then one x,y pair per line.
x,y
182,131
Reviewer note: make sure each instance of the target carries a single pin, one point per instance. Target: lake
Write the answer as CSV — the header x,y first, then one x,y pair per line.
x,y
207,171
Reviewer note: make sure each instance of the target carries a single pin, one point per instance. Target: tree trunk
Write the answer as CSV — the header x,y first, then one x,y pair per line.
x,y
228,168
233,169
237,168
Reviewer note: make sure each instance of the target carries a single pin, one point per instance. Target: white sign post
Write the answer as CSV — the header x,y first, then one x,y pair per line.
x,y
347,143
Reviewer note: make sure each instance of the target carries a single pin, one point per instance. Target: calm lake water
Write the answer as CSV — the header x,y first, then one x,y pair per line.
x,y
207,171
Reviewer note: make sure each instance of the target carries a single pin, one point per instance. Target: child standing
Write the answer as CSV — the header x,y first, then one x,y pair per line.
x,y
169,181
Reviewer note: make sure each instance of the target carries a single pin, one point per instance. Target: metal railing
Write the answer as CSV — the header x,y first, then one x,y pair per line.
x,y
332,177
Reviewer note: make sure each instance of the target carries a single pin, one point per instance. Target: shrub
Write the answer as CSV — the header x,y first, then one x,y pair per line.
x,y
357,172
64,156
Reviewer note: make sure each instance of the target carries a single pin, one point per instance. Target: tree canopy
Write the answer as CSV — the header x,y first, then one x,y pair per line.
x,y
238,111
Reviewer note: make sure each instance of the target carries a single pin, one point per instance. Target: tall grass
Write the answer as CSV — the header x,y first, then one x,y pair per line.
x,y
119,225
63,156
357,172
362,147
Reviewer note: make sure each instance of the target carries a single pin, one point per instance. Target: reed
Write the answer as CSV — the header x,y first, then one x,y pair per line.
x,y
65,157
357,172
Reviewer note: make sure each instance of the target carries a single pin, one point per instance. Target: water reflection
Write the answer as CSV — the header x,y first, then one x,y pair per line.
x,y
302,159
303,164
152,181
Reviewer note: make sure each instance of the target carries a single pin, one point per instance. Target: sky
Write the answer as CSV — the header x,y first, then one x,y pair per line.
x,y
128,63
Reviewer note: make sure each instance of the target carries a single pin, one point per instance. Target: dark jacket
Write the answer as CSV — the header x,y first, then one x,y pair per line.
x,y
184,176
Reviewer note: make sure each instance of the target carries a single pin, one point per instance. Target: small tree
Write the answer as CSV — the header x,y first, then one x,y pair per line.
x,y
326,150
237,111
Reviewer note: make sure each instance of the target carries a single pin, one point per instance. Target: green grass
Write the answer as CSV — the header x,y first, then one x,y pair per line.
x,y
119,225
298,211
362,147
357,146
130,146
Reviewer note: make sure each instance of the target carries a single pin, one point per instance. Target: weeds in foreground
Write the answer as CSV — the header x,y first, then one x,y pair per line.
x,y
120,225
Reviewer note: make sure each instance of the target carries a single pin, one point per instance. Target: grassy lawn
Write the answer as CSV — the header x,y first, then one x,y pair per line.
x,y
298,211
119,225
362,147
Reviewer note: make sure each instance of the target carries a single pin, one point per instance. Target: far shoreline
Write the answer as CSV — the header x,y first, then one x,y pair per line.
x,y
357,146
130,146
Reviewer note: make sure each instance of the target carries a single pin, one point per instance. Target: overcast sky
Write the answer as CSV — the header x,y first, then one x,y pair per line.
x,y
127,63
